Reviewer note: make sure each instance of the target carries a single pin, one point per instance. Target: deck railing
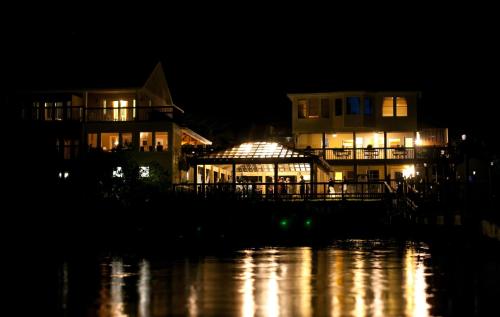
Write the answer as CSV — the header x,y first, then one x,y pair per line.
x,y
359,191
398,153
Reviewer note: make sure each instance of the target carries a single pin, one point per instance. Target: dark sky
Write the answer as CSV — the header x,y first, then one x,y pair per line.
x,y
239,63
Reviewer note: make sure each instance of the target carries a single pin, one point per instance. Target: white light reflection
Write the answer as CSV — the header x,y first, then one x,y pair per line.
x,y
65,286
272,303
144,288
116,304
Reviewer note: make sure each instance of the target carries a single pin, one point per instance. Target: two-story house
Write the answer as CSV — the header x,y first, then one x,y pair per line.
x,y
136,115
366,135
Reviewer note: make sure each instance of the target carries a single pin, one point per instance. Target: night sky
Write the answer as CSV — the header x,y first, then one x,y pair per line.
x,y
231,66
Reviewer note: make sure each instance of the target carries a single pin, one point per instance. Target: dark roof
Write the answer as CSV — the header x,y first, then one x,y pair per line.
x,y
92,74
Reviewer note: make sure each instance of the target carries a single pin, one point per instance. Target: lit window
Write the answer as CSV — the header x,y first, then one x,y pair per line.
x,y
118,172
388,107
92,140
109,141
144,171
161,141
401,107
146,141
395,106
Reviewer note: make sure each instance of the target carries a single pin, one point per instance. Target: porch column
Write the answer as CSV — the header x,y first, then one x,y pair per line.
x,y
203,180
355,167
324,145
385,157
312,178
234,177
195,180
275,189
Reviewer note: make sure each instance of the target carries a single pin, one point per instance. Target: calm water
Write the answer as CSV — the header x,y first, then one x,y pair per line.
x,y
348,278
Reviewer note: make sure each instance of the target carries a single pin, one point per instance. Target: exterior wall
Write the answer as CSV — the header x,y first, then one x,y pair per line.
x,y
408,123
354,122
168,160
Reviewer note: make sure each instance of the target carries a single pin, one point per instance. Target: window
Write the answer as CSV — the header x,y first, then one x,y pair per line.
x,y
395,105
161,141
350,175
353,105
314,108
303,108
373,175
109,141
48,110
401,107
368,111
120,110
308,108
58,110
92,140
127,140
325,108
388,107
338,107
146,141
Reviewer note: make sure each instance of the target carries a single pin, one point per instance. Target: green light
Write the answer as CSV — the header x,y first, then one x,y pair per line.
x,y
308,222
284,223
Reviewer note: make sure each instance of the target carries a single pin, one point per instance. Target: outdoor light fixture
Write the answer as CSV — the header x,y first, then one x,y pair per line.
x,y
492,163
473,172
464,137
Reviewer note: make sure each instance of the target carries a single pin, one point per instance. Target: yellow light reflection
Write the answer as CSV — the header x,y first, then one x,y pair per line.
x,y
267,287
337,284
192,304
377,287
359,286
415,285
305,281
248,308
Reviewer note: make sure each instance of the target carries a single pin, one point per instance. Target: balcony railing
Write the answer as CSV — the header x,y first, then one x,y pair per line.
x,y
400,153
99,114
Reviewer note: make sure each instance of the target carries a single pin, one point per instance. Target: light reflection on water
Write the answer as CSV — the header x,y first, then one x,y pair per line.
x,y
358,279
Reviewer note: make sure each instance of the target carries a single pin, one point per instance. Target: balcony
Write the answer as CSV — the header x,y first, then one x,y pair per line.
x,y
399,153
100,114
